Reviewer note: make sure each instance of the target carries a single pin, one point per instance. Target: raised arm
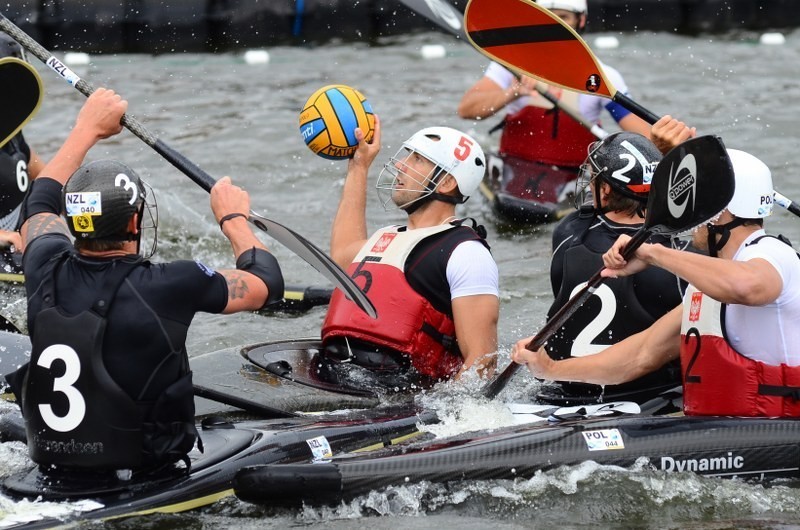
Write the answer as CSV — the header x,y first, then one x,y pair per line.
x,y
349,230
257,279
99,118
668,132
486,98
754,282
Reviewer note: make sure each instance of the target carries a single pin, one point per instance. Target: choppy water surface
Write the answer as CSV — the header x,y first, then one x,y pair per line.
x,y
236,119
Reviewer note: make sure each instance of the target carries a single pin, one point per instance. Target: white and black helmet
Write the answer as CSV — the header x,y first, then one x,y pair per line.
x,y
753,198
452,151
626,161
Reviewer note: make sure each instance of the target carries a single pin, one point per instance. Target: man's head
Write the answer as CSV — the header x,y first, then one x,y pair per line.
x,y
435,163
620,168
104,202
10,48
573,12
752,201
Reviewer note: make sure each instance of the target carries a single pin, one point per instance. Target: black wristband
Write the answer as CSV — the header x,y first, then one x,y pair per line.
x,y
229,217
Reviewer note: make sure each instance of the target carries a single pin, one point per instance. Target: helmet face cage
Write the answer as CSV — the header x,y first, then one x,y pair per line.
x,y
387,180
586,176
627,162
148,221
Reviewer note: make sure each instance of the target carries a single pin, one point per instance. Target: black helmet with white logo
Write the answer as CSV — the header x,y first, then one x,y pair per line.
x,y
626,161
99,200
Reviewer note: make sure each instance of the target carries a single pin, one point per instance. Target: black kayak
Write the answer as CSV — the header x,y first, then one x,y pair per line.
x,y
756,449
525,192
226,382
228,447
230,444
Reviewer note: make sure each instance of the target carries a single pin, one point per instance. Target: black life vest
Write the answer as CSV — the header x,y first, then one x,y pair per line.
x,y
76,415
610,315
14,180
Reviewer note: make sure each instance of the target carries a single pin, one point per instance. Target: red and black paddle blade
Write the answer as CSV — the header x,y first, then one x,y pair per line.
x,y
692,184
527,37
21,90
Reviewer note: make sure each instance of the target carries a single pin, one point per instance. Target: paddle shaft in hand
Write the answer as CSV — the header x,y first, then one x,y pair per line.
x,y
541,45
293,241
691,184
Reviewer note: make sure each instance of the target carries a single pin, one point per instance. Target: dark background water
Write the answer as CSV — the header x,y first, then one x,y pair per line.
x,y
237,119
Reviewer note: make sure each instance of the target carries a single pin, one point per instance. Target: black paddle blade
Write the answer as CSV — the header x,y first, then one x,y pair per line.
x,y
315,257
21,89
692,184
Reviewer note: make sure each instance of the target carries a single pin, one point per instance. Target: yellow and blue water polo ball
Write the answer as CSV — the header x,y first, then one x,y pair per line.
x,y
329,119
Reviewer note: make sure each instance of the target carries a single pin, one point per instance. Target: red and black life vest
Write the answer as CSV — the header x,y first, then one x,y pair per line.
x,y
718,380
407,321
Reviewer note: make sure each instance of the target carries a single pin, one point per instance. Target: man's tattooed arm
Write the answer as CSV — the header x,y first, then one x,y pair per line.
x,y
237,285
43,223
245,291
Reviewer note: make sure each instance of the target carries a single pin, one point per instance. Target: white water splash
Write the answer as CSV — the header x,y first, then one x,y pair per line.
x,y
14,456
462,408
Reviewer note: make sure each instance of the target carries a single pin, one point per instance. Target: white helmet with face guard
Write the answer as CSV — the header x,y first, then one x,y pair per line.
x,y
450,151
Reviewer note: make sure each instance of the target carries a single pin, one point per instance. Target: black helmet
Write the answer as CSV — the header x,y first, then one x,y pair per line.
x,y
9,47
627,162
100,198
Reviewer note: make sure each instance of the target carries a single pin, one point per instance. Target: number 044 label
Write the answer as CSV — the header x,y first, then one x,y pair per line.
x,y
603,440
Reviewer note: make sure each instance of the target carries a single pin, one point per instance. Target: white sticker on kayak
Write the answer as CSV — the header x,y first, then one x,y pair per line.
x,y
603,440
320,448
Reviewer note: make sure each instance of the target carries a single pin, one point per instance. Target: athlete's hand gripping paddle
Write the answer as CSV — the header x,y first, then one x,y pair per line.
x,y
692,184
292,240
21,90
526,37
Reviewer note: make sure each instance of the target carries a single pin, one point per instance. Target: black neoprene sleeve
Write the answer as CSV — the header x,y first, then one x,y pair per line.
x,y
44,197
